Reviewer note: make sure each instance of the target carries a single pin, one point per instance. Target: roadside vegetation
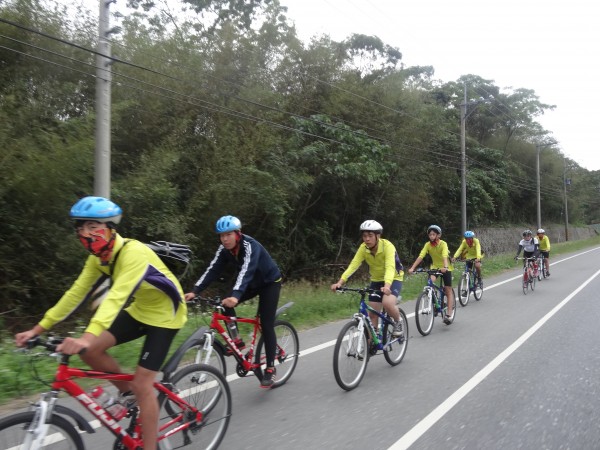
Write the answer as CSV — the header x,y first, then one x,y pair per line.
x,y
314,304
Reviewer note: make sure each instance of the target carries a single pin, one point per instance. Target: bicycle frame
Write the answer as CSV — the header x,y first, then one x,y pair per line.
x,y
437,292
215,324
363,317
63,381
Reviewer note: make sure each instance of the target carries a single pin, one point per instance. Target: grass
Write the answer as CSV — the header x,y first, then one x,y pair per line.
x,y
314,304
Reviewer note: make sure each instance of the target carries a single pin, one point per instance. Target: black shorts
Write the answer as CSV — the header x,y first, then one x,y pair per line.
x,y
545,254
156,346
396,288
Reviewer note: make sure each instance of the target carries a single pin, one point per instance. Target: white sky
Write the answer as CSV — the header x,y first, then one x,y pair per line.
x,y
548,46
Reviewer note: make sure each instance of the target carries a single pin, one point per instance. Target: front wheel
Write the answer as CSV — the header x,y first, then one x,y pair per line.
x,y
199,353
204,388
424,313
286,353
350,356
478,289
60,434
394,348
464,289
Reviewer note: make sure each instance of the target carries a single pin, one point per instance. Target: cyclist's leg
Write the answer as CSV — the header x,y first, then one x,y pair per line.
x,y
154,351
390,300
376,301
448,290
478,269
268,298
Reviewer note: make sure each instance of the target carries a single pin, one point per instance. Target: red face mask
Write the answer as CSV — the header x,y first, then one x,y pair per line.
x,y
469,241
99,242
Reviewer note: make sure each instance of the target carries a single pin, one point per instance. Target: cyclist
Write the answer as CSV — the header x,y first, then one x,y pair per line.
x,y
258,274
157,310
470,248
529,245
438,250
544,248
385,269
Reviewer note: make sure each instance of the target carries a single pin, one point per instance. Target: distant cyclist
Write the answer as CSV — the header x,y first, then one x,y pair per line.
x,y
544,248
384,267
470,248
438,250
529,245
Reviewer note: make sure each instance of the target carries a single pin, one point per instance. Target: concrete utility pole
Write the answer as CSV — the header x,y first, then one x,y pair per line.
x,y
538,149
103,86
566,181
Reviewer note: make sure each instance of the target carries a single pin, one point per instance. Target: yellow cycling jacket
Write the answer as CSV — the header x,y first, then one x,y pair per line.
x,y
138,274
469,252
437,253
383,266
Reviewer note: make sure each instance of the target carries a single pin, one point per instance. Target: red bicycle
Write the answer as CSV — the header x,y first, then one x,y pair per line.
x,y
530,274
203,347
193,409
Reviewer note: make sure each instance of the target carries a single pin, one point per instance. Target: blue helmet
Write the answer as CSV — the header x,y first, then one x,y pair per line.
x,y
228,223
469,234
99,209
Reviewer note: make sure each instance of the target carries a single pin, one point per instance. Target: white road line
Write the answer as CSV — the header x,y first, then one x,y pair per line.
x,y
419,429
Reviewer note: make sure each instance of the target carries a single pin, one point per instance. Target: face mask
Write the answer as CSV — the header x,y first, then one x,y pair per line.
x,y
99,243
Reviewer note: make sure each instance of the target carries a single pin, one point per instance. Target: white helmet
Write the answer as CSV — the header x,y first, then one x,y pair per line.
x,y
371,225
541,231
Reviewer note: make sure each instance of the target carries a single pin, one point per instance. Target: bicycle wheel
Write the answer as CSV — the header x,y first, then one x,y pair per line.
x,y
525,282
60,435
396,349
532,281
478,289
206,389
463,289
197,354
452,316
424,313
286,355
350,356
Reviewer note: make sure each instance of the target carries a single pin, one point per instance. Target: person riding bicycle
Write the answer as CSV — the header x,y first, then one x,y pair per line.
x,y
470,248
438,250
385,269
529,245
258,274
136,273
544,243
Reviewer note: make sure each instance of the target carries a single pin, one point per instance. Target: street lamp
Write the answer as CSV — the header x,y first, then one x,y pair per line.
x,y
538,148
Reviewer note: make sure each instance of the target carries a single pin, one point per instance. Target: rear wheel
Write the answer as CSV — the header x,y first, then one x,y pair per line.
x,y
464,289
350,356
286,354
206,389
396,349
424,313
60,434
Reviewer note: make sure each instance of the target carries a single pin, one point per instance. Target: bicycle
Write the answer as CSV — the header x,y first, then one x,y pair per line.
x,y
352,350
431,302
544,270
530,273
202,347
469,282
198,408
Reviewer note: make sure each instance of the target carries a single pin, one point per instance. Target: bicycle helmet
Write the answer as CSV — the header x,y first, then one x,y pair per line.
x,y
435,228
371,225
541,231
527,233
228,223
99,209
469,234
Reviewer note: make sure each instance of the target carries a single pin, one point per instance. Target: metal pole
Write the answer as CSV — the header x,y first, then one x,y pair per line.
x,y
103,83
537,171
463,163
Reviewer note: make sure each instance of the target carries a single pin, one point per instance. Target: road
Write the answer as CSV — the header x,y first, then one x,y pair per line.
x,y
513,371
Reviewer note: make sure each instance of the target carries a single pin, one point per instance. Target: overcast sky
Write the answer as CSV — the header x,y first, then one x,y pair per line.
x,y
548,46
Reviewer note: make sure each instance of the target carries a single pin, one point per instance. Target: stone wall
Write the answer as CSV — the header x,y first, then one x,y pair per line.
x,y
503,240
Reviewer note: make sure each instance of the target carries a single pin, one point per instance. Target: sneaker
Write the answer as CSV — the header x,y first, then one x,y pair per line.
x,y
268,377
238,343
397,329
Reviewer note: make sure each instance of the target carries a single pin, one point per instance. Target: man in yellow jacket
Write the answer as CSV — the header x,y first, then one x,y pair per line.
x,y
470,249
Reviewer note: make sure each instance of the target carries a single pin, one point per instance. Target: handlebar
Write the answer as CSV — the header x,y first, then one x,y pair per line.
x,y
530,258
49,344
430,272
361,291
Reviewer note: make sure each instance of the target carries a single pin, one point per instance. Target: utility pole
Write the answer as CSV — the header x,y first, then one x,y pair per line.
x,y
463,163
103,85
566,181
538,149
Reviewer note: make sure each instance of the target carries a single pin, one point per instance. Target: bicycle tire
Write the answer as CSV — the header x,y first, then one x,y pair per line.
x,y
349,366
395,351
206,389
532,283
288,344
196,354
478,289
464,290
61,434
424,313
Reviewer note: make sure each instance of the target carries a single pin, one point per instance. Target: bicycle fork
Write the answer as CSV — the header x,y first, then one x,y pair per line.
x,y
38,428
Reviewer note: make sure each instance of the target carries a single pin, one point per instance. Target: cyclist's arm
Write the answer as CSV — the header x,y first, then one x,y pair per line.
x,y
212,271
356,262
458,252
519,248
